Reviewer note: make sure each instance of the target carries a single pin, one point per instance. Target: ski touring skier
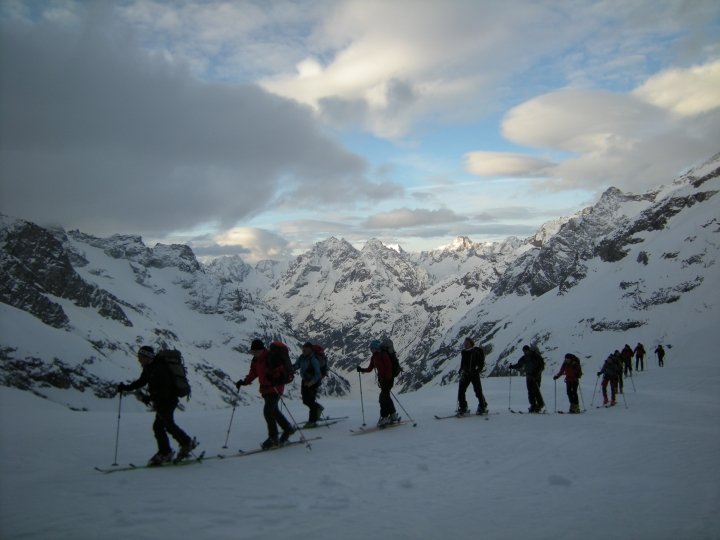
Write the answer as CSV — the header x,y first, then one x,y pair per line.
x,y
660,352
381,362
472,364
271,389
308,366
533,364
612,373
573,371
639,357
162,394
627,354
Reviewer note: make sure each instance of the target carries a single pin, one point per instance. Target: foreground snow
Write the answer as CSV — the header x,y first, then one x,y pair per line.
x,y
648,471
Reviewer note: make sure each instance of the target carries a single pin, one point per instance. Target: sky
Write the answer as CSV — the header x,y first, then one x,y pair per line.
x,y
260,127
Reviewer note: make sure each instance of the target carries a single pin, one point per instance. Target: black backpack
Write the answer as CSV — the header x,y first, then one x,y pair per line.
x,y
280,368
538,362
386,345
322,360
174,361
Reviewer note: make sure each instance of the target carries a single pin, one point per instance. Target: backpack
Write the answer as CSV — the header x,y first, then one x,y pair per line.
x,y
174,361
280,368
386,345
479,357
575,364
322,360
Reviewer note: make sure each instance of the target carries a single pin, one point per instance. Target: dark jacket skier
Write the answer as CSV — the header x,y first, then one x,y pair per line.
x,y
573,371
382,364
639,357
270,392
309,367
612,373
533,364
627,354
660,355
472,364
156,375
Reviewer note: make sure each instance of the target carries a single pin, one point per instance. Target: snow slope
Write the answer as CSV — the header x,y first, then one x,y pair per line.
x,y
649,471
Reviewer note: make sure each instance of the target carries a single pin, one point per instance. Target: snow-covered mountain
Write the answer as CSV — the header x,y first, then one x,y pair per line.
x,y
75,308
632,267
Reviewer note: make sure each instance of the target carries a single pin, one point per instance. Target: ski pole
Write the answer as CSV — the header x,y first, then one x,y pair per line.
x,y
117,431
632,380
556,410
227,437
510,391
362,405
592,401
625,400
581,397
302,435
403,408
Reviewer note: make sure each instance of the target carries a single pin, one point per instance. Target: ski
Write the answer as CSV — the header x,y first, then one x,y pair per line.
x,y
131,467
333,418
363,430
244,453
524,412
322,424
565,412
470,415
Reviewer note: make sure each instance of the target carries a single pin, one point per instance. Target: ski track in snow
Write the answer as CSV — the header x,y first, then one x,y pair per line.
x,y
649,471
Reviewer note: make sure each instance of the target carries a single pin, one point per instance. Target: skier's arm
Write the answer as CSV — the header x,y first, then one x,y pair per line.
x,y
252,374
315,368
369,368
139,383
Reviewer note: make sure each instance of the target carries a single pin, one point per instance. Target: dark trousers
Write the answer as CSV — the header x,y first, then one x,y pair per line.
x,y
473,379
273,416
164,424
387,407
661,361
533,387
613,388
572,392
640,362
309,399
628,366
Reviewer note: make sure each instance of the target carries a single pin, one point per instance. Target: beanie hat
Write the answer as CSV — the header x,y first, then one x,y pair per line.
x,y
146,351
257,345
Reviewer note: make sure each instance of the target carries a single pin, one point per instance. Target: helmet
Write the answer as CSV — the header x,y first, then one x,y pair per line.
x,y
374,345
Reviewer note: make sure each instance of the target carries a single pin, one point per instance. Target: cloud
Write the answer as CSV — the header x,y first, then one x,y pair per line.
x,y
504,164
98,134
216,250
406,217
687,92
621,139
258,243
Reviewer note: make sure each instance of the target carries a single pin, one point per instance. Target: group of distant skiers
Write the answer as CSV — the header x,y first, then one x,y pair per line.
x,y
273,370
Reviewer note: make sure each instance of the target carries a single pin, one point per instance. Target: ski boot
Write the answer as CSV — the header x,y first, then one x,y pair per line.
x,y
310,425
481,409
270,442
286,435
384,421
462,410
394,418
186,449
158,459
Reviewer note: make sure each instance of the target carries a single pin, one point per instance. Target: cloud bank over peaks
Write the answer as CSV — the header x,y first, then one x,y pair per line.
x,y
630,140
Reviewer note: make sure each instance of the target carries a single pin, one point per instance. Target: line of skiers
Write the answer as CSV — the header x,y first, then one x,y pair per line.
x,y
167,382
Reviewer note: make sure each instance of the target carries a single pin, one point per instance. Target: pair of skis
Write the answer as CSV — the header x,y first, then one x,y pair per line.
x,y
466,415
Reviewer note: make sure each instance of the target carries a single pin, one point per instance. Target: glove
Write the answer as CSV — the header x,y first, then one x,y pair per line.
x,y
556,377
357,368
144,398
122,387
599,373
239,384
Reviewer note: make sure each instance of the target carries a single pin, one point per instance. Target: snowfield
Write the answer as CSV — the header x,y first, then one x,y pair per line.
x,y
650,471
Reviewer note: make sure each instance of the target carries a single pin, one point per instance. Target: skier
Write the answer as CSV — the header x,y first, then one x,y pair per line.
x,y
611,372
382,364
573,371
163,396
640,357
472,363
271,392
534,365
627,354
660,355
309,367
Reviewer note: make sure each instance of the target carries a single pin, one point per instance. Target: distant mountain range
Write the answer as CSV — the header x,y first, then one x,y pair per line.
x,y
629,268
